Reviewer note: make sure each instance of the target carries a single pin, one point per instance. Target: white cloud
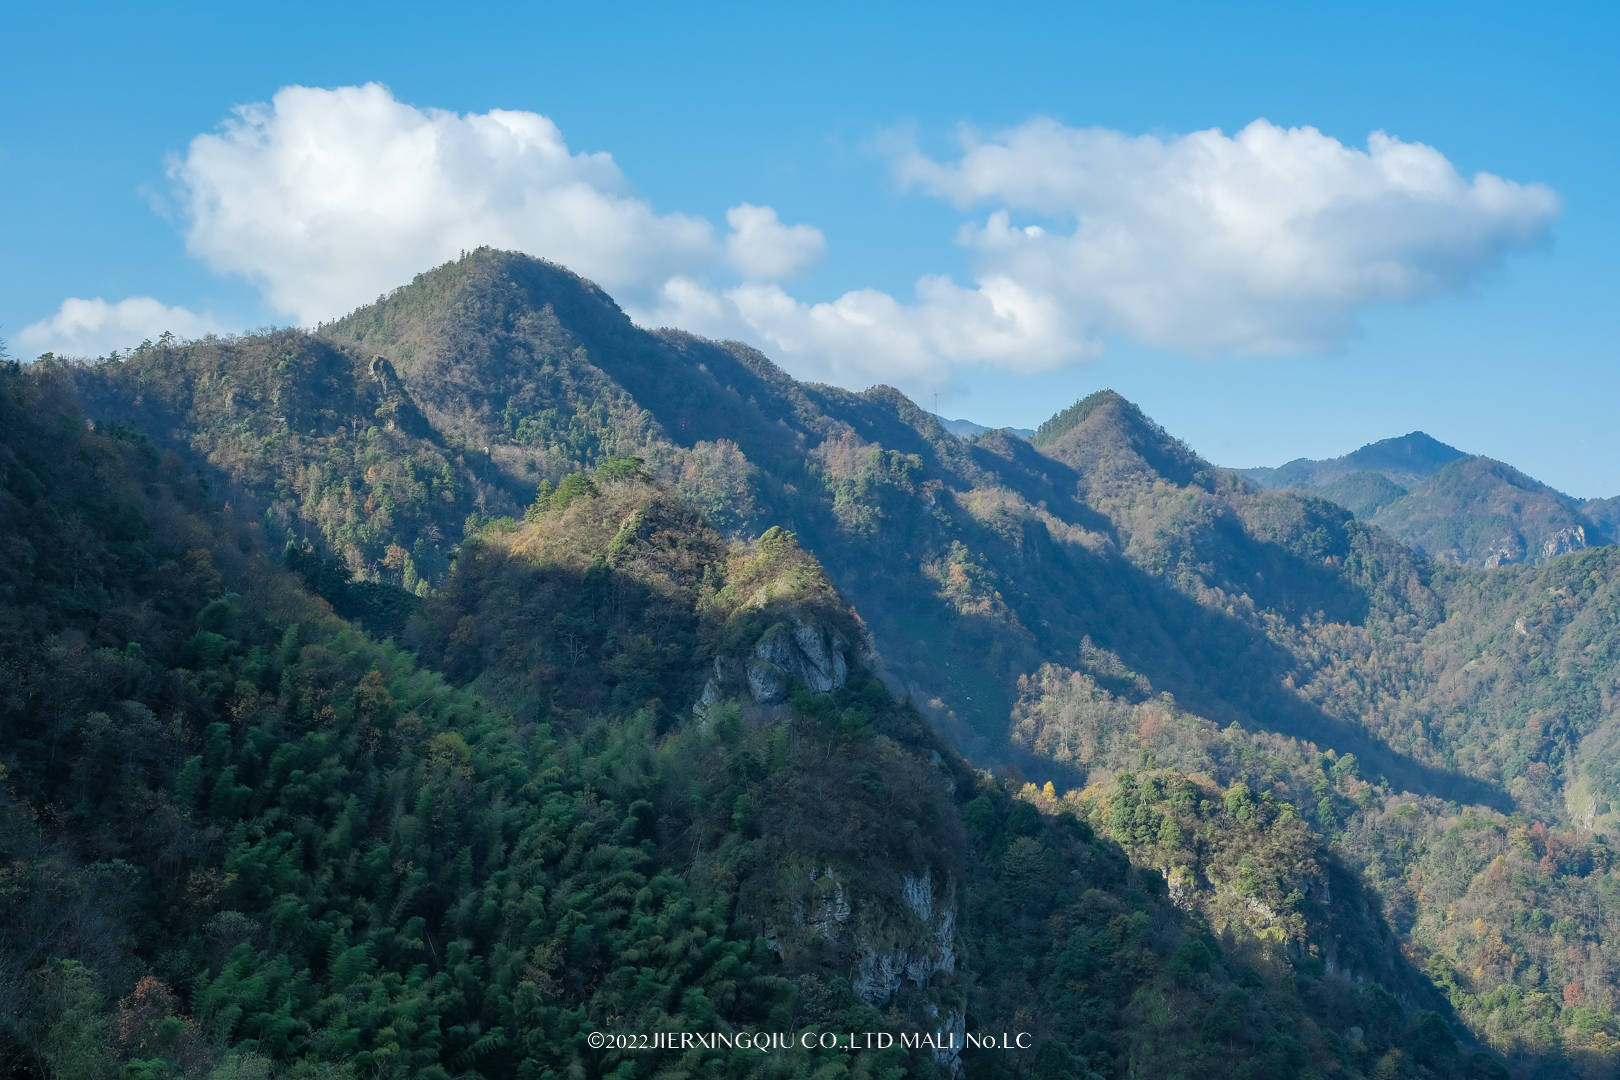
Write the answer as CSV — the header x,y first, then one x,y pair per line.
x,y
761,248
95,327
327,198
867,336
1271,240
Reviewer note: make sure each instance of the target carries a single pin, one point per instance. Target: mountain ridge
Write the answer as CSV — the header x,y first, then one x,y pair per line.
x,y
1404,460
1091,604
338,857
1450,504
967,429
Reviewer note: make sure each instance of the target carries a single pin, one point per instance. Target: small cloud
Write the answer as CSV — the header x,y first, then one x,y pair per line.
x,y
761,248
95,327
867,336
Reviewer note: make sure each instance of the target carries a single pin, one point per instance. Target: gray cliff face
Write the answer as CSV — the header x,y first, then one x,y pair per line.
x,y
1507,549
898,936
800,648
1563,542
797,649
881,971
892,958
1511,548
828,912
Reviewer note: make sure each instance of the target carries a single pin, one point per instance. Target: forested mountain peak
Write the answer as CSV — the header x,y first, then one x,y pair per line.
x,y
1108,438
541,367
1480,510
1417,452
1404,460
1449,504
483,291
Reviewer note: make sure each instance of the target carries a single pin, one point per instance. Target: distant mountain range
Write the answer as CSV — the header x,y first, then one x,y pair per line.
x,y
1452,505
966,429
1455,506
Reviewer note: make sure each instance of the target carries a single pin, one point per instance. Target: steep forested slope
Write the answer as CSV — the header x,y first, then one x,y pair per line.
x,y
1096,602
1485,513
240,838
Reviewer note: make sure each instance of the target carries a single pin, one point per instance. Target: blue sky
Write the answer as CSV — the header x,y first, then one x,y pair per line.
x,y
1485,318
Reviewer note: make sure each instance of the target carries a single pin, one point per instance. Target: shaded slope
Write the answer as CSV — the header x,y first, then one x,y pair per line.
x,y
327,444
973,563
324,860
1361,493
454,399
816,818
1603,514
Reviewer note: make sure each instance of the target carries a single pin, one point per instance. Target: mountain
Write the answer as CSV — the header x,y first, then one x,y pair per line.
x,y
1480,511
1448,504
1603,516
238,836
1403,461
967,429
1367,771
1109,442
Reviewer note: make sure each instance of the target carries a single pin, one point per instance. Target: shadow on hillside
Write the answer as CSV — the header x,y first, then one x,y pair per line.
x,y
700,391
1214,664
1220,667
1039,479
1277,579
560,643
1359,946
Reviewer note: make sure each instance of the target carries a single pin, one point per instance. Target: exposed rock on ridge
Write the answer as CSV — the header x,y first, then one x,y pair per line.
x,y
801,648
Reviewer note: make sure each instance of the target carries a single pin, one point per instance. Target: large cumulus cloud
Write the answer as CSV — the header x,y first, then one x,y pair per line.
x,y
327,198
1271,240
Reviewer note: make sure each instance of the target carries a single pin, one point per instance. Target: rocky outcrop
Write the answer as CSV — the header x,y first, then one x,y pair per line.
x,y
767,683
1182,886
1563,542
1512,548
890,958
952,1029
800,649
827,914
881,971
1505,550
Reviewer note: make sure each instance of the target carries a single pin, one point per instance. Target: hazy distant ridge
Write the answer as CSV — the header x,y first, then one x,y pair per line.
x,y
1452,505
